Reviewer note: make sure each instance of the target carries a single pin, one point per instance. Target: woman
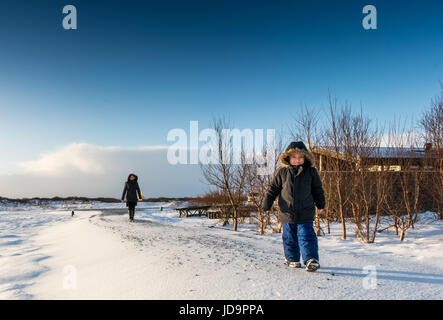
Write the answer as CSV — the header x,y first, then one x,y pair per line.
x,y
131,191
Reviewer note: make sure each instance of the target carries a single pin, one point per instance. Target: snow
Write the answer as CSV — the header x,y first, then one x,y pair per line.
x,y
97,254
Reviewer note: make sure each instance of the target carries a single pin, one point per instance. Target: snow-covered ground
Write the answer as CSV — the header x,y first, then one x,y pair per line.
x,y
97,254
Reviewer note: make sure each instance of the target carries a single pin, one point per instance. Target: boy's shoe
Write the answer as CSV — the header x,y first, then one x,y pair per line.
x,y
293,264
312,265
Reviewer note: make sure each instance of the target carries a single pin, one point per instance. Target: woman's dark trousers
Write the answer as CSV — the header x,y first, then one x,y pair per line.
x,y
131,209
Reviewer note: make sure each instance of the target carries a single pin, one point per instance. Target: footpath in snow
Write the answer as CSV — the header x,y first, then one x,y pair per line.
x,y
100,255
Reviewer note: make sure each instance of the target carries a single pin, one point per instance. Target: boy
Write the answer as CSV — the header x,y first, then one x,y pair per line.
x,y
299,189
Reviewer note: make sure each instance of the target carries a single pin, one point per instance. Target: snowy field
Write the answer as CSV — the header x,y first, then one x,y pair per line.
x,y
97,254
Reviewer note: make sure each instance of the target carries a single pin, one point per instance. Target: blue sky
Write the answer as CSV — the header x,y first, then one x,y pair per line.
x,y
133,70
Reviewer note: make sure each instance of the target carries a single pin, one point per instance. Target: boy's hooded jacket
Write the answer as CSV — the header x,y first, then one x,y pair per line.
x,y
131,190
299,188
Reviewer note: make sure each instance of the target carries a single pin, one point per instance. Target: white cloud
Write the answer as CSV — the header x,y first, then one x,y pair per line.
x,y
75,157
82,169
80,158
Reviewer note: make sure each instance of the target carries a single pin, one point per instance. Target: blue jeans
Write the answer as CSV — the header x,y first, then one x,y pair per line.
x,y
300,237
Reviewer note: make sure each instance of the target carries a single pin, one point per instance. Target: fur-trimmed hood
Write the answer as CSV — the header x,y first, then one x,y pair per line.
x,y
297,147
131,174
298,188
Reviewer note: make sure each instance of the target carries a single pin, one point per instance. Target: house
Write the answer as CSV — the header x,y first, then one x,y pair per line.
x,y
411,174
376,159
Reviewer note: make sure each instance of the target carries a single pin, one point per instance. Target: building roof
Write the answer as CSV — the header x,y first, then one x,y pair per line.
x,y
373,152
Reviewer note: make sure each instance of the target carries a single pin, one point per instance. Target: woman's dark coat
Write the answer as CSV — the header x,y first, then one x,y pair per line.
x,y
299,188
131,190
